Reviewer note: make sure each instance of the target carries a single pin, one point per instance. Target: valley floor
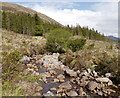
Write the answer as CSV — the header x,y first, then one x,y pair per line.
x,y
52,74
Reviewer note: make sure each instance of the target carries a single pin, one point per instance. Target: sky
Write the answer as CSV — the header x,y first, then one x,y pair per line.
x,y
101,15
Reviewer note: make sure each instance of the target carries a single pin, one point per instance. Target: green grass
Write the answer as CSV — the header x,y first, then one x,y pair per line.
x,y
29,78
10,89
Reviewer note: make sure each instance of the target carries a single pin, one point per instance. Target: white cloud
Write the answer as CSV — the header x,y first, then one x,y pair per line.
x,y
103,18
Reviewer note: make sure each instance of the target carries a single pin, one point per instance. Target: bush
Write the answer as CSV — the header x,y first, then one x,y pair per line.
x,y
108,64
38,30
76,44
10,62
57,40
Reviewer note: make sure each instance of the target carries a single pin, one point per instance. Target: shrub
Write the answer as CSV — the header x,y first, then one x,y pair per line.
x,y
10,62
38,30
108,64
76,44
57,40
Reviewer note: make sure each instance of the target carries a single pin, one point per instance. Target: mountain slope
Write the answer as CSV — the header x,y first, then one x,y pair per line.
x,y
18,8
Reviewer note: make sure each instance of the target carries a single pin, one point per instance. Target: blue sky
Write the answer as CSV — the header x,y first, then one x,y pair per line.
x,y
103,16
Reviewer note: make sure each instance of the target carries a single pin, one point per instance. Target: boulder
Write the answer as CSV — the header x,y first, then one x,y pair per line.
x,y
61,77
25,59
65,85
103,79
100,93
72,93
92,85
71,73
38,88
94,73
59,90
37,94
49,93
81,92
56,80
110,83
108,75
50,60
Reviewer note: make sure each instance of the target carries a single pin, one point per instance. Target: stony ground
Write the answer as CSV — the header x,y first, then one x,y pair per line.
x,y
60,80
55,78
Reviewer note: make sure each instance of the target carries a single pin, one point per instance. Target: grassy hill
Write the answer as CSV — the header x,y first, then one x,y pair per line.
x,y
18,9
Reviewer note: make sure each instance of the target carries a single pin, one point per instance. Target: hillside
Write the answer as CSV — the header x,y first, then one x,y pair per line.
x,y
18,8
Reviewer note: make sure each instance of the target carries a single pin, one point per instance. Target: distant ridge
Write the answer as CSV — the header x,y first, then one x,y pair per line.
x,y
113,38
18,8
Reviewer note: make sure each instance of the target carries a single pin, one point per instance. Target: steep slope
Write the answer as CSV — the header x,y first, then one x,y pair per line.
x,y
18,8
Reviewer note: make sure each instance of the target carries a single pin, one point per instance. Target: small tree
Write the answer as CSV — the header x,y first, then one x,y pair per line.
x,y
39,30
57,40
76,44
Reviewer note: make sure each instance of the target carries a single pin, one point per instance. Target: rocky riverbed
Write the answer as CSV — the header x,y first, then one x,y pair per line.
x,y
60,80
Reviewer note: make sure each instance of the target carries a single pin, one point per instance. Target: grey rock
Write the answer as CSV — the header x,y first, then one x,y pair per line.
x,y
56,80
71,72
92,85
81,92
100,93
110,83
72,93
25,59
50,60
37,94
65,85
108,75
103,79
84,78
60,77
49,93
38,88
94,73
